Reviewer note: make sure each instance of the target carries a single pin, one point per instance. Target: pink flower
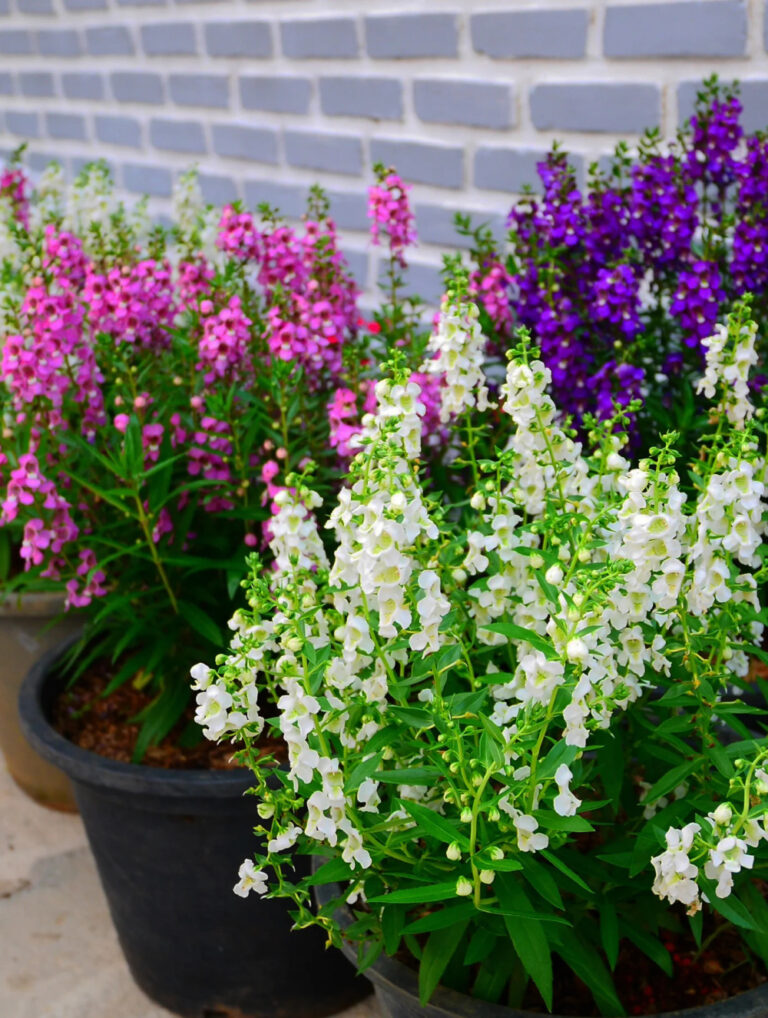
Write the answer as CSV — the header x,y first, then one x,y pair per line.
x,y
390,213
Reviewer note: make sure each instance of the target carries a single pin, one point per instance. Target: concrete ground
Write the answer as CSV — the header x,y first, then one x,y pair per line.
x,y
59,956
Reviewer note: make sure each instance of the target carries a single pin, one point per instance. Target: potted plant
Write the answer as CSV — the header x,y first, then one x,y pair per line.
x,y
513,742
621,278
155,384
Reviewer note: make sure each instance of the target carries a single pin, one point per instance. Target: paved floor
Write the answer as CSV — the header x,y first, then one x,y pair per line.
x,y
59,957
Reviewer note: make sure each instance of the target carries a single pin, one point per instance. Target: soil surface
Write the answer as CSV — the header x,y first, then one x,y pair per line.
x,y
104,725
719,972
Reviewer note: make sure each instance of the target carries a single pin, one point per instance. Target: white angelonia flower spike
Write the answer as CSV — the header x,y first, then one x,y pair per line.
x,y
727,370
458,346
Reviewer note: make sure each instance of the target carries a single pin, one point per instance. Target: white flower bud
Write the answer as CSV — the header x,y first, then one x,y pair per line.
x,y
265,810
463,887
478,501
466,815
536,561
294,643
576,650
496,853
554,575
487,876
459,577
453,851
722,815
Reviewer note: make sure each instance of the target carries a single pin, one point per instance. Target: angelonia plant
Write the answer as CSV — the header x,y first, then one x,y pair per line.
x,y
623,279
511,728
156,384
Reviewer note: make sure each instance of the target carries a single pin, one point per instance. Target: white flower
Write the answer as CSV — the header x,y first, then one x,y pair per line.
x,y
459,346
675,873
527,838
566,804
251,879
284,840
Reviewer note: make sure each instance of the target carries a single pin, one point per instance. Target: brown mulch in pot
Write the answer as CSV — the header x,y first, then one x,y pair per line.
x,y
104,725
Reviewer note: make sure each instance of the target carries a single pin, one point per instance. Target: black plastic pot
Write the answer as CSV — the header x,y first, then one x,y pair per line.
x,y
168,845
397,991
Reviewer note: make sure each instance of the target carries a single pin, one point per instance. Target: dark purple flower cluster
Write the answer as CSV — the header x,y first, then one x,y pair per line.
x,y
621,282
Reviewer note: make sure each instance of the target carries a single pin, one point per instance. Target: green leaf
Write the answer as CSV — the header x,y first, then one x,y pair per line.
x,y
609,932
518,634
542,882
365,769
414,717
432,823
443,917
392,923
202,623
555,861
480,946
438,951
160,717
549,820
527,936
331,872
650,946
670,781
731,907
417,895
582,958
409,776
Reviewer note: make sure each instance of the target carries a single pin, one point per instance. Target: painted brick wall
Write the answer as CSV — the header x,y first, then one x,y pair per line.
x,y
268,96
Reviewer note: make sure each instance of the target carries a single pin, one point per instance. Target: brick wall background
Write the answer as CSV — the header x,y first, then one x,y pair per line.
x,y
269,96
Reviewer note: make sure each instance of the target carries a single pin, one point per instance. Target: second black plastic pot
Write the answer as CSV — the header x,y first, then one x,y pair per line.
x,y
168,845
397,990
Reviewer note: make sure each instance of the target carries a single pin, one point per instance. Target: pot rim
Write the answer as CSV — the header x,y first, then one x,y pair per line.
x,y
395,977
89,768
32,604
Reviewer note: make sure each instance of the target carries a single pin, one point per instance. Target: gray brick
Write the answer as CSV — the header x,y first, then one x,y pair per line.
x,y
38,161
153,180
765,27
16,42
603,106
109,40
35,6
290,199
421,280
5,7
332,153
404,36
239,141
65,125
754,99
82,85
169,39
141,3
26,125
692,28
434,225
210,90
421,162
349,210
36,84
472,103
137,87
85,5
512,169
238,39
276,93
217,190
124,131
361,96
540,34
177,136
357,263
54,42
334,38
6,83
